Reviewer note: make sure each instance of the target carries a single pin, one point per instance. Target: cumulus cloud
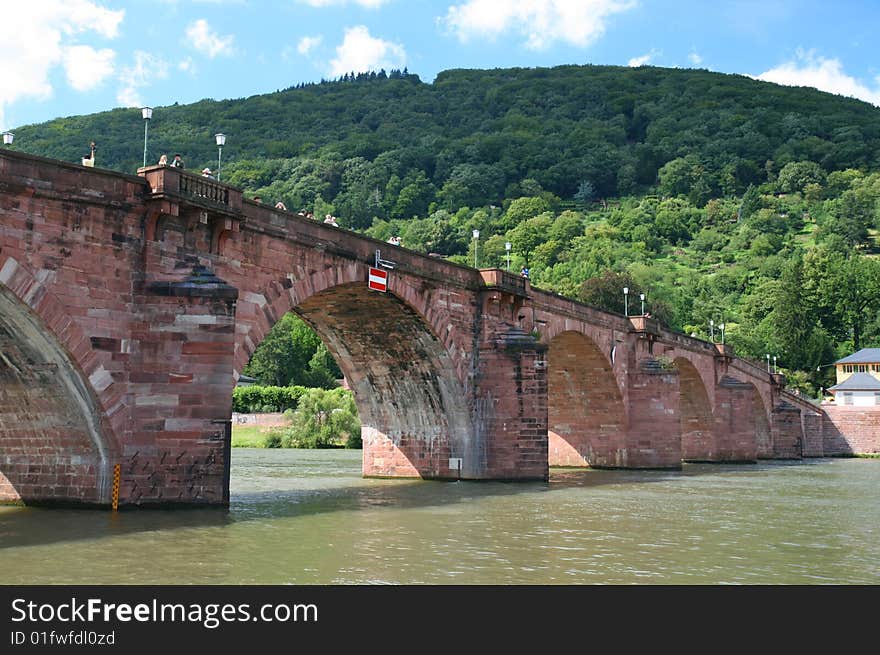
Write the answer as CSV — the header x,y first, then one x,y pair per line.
x,y
37,37
540,22
361,52
146,68
201,37
307,44
808,69
695,58
86,67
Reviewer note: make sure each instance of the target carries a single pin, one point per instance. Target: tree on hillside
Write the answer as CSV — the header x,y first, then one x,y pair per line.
x,y
606,291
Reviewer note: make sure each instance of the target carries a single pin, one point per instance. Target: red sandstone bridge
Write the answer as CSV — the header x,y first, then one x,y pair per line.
x,y
129,304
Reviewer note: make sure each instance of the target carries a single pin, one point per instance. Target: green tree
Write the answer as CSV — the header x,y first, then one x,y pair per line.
x,y
529,234
285,356
606,291
796,175
522,209
324,419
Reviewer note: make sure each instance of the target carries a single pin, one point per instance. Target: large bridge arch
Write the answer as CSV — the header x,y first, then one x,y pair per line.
x,y
586,414
54,445
412,404
695,412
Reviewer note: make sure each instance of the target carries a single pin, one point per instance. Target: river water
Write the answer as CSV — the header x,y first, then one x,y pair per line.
x,y
307,517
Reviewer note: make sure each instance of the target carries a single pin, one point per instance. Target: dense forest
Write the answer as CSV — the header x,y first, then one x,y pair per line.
x,y
720,197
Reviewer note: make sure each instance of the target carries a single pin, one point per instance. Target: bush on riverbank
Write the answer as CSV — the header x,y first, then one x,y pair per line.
x,y
322,419
256,398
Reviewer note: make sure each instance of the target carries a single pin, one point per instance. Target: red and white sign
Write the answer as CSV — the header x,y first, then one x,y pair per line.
x,y
378,279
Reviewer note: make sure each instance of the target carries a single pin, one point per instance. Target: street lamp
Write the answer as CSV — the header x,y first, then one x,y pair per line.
x,y
721,326
774,363
147,113
768,361
626,301
642,298
7,138
712,330
507,247
476,234
221,141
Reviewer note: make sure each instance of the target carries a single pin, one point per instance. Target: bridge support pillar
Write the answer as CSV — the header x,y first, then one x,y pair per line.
x,y
786,431
511,407
181,389
734,428
653,423
813,430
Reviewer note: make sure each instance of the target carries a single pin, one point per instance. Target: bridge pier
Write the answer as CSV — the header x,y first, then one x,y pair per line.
x,y
734,425
181,388
653,431
510,407
786,431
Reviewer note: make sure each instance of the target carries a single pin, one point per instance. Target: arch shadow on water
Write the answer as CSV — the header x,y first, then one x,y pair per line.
x,y
35,526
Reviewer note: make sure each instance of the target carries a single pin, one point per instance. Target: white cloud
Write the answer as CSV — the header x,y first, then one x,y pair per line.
x,y
640,61
86,67
540,22
361,52
201,37
807,69
307,44
368,4
695,58
146,68
36,37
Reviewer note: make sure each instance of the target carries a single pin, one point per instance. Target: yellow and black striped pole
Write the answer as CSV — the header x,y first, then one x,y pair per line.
x,y
116,487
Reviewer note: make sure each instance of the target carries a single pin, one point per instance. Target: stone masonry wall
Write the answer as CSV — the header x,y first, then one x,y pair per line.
x,y
851,430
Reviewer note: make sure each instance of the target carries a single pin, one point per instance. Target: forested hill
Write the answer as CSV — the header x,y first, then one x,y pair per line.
x,y
723,198
486,129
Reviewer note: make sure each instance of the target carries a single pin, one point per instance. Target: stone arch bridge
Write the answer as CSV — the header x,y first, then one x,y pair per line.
x,y
128,305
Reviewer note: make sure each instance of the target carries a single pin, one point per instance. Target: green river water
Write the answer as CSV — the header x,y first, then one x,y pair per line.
x,y
308,517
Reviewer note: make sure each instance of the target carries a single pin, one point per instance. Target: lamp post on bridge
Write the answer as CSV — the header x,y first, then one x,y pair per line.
x,y
626,301
712,330
147,114
721,327
476,235
768,361
642,298
221,141
774,364
7,138
507,247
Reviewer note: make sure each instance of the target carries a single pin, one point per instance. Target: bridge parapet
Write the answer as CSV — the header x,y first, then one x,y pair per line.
x,y
644,325
495,278
173,184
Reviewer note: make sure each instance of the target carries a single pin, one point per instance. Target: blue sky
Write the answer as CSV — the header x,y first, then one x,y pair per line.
x,y
70,57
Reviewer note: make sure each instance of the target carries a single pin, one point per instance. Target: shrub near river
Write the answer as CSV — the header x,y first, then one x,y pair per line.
x,y
321,419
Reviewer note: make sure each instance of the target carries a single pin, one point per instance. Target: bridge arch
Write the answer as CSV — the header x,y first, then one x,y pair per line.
x,y
412,404
586,414
696,417
54,446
